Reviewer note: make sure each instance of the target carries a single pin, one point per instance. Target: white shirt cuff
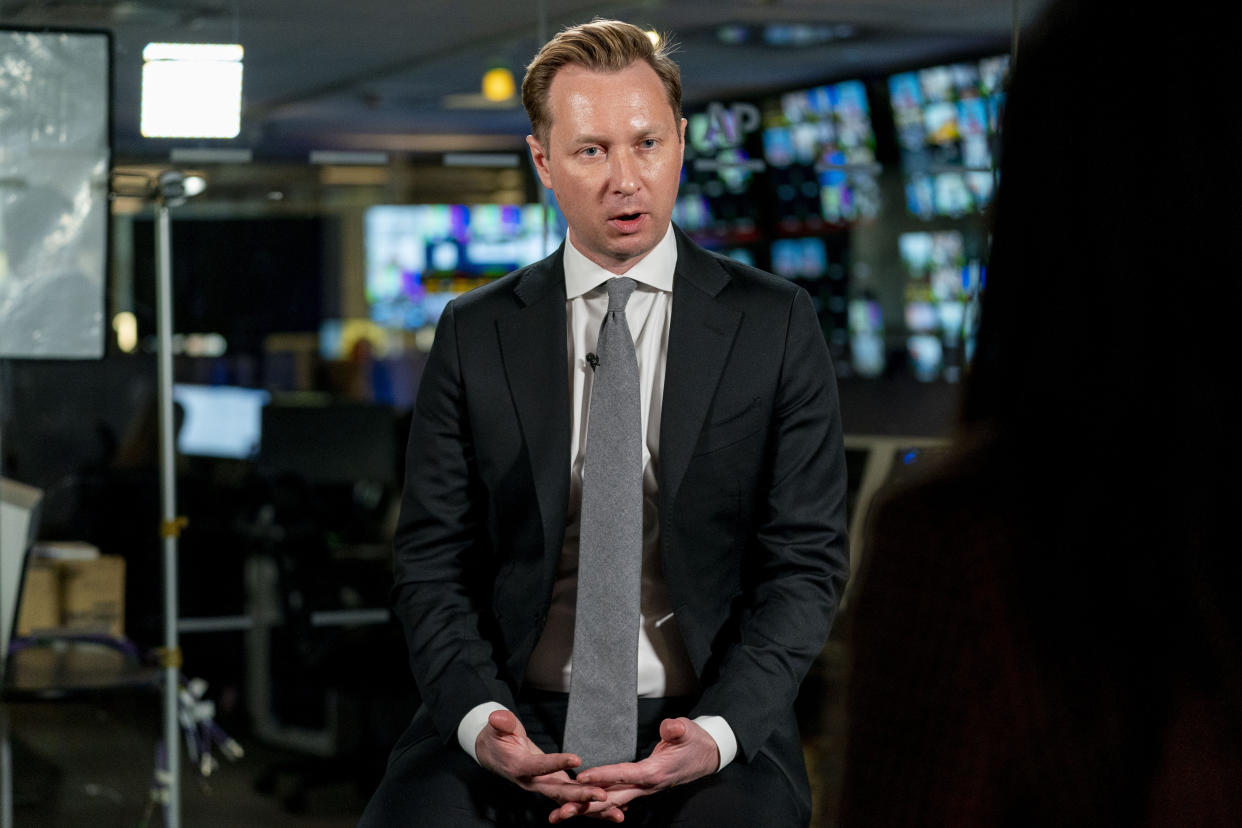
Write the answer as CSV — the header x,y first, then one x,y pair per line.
x,y
472,725
726,742
475,720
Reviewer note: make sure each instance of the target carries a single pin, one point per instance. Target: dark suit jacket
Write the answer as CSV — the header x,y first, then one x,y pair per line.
x,y
752,493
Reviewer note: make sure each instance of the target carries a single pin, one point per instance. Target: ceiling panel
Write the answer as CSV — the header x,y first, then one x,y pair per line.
x,y
367,74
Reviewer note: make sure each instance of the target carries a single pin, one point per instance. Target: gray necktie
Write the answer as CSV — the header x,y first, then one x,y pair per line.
x,y
601,722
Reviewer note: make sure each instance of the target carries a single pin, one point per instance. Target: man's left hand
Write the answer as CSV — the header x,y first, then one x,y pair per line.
x,y
686,752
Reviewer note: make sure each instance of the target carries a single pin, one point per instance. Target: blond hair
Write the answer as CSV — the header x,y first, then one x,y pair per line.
x,y
601,46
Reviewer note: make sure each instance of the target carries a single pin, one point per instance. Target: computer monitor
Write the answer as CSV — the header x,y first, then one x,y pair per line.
x,y
331,443
221,421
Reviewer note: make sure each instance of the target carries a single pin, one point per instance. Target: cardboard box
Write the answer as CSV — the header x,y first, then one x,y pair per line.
x,y
40,599
93,595
75,596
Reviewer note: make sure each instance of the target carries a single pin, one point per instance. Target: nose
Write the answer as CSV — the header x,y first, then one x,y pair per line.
x,y
625,177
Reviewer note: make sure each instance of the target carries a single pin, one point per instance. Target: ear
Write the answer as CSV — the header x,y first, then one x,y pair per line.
x,y
541,160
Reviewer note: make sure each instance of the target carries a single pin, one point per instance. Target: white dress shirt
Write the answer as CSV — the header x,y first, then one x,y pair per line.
x,y
664,669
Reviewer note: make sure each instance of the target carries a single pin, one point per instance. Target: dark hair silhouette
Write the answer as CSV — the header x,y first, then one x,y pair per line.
x,y
1083,533
1102,368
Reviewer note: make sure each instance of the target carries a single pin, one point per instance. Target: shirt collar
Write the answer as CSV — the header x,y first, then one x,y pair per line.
x,y
654,270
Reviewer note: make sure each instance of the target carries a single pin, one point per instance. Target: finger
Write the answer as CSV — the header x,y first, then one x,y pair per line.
x,y
611,814
622,795
565,791
607,811
618,774
672,730
541,764
567,811
503,721
595,810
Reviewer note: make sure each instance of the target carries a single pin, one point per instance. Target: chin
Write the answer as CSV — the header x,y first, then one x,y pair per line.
x,y
633,247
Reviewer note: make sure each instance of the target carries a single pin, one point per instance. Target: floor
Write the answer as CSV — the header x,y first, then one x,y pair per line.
x,y
90,763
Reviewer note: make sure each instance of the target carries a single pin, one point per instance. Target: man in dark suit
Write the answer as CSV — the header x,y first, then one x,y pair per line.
x,y
743,490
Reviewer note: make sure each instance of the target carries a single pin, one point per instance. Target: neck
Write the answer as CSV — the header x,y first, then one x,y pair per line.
x,y
617,267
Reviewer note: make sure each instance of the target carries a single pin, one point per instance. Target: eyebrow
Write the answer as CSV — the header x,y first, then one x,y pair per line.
x,y
649,131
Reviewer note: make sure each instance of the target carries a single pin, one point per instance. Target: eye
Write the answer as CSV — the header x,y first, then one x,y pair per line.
x,y
647,143
591,152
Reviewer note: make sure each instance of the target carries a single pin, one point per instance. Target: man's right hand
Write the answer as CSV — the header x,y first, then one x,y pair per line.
x,y
504,748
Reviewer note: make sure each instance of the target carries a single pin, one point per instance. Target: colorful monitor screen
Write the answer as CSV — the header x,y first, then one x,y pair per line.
x,y
947,119
719,202
941,297
866,329
800,258
420,256
820,146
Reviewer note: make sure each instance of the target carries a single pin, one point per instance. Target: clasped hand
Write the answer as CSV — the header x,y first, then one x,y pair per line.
x,y
685,752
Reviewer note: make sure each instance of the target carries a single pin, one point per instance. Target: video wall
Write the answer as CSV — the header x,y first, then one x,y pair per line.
x,y
905,162
947,119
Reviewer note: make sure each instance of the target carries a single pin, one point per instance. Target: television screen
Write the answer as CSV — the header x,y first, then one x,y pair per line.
x,y
692,212
947,118
800,258
820,146
943,285
866,327
719,201
420,256
741,254
220,420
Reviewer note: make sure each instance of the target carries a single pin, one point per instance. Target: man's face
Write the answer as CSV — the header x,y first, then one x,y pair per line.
x,y
613,158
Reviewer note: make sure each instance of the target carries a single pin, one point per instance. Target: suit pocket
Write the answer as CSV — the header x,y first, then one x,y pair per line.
x,y
729,429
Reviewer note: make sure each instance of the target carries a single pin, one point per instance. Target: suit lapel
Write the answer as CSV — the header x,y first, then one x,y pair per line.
x,y
700,336
532,343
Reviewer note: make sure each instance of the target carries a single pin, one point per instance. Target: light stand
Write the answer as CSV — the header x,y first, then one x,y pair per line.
x,y
171,189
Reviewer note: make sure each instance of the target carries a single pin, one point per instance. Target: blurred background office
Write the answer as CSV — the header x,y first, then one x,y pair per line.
x,y
370,166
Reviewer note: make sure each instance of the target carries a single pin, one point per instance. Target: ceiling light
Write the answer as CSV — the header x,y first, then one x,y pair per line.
x,y
125,324
498,84
797,34
191,90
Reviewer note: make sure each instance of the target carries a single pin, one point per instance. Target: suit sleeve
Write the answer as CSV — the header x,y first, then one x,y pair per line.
x,y
441,548
796,560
